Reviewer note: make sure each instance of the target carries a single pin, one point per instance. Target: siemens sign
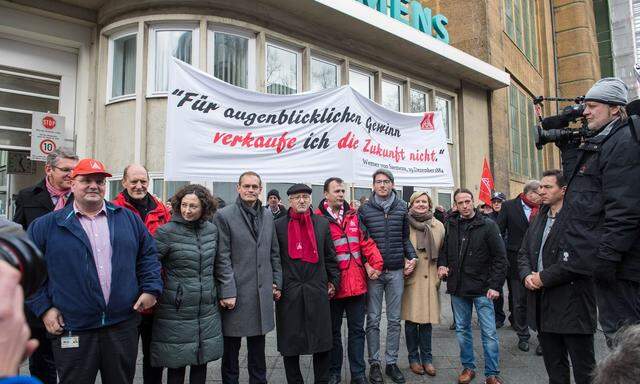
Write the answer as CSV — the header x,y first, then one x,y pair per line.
x,y
413,14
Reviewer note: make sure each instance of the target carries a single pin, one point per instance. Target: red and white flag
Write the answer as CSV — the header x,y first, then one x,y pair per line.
x,y
486,183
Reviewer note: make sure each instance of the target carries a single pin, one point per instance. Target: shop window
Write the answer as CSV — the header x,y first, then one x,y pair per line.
x,y
281,188
166,42
444,199
392,95
526,161
362,82
233,56
284,67
444,106
114,188
324,74
164,190
122,66
419,101
317,195
359,192
227,191
520,26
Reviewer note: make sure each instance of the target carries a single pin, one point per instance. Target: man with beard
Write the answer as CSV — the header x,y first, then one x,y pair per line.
x,y
310,278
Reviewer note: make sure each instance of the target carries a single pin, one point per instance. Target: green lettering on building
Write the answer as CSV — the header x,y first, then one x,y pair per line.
x,y
413,14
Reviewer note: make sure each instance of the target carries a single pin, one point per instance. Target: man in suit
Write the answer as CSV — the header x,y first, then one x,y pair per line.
x,y
50,194
513,220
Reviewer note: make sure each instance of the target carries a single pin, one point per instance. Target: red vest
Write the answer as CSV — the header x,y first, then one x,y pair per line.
x,y
351,247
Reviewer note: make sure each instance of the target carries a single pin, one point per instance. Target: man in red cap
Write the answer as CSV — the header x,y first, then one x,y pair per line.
x,y
102,267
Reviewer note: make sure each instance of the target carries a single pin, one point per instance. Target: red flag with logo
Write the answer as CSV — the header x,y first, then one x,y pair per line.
x,y
486,183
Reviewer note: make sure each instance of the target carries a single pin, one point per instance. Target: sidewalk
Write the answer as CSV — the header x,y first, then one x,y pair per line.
x,y
516,367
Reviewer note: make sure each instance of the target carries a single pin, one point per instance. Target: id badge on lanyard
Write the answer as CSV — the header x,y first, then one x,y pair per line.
x,y
69,341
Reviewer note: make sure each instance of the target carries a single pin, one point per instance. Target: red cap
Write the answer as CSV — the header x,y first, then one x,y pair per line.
x,y
89,167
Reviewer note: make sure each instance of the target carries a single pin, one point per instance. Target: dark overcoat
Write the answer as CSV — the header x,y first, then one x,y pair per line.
x,y
303,315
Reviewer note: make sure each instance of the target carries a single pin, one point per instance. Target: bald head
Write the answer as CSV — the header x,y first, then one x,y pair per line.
x,y
135,179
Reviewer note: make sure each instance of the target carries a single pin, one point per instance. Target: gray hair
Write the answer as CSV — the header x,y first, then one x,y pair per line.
x,y
531,185
621,365
60,153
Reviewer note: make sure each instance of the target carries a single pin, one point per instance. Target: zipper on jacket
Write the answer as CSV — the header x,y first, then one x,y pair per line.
x,y
386,233
200,300
103,318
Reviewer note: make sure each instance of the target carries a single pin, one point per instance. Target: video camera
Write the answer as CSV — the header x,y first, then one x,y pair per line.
x,y
553,129
17,250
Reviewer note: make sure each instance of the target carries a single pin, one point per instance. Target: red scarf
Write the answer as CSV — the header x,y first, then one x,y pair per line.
x,y
302,239
339,217
61,194
534,207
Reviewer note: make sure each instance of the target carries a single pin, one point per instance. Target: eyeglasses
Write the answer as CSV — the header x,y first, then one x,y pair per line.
x,y
64,170
381,182
301,197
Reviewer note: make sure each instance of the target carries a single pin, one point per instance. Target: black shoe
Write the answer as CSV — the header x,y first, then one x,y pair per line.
x,y
539,350
452,327
335,379
375,374
359,380
394,373
523,346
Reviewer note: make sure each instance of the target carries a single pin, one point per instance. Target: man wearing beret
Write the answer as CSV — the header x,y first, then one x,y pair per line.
x,y
602,205
310,279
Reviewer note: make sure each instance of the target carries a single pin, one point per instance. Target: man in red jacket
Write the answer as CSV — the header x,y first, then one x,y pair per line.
x,y
358,259
154,214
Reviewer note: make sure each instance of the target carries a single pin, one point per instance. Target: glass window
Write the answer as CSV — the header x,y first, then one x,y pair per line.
x,y
317,195
324,75
391,95
227,191
169,43
123,66
165,190
444,105
526,161
444,200
115,186
419,101
359,192
520,26
283,69
232,58
281,188
361,82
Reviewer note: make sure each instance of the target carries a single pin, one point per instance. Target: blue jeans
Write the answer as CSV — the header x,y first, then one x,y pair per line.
x,y
355,307
463,307
418,342
390,284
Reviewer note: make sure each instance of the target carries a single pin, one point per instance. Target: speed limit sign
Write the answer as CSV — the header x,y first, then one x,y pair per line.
x,y
47,134
47,146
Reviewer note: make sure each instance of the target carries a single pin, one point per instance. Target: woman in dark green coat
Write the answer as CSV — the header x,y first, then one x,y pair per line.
x,y
187,329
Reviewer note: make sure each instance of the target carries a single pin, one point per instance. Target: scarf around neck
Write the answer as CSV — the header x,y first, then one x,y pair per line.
x,y
421,223
301,237
339,217
61,194
534,207
385,204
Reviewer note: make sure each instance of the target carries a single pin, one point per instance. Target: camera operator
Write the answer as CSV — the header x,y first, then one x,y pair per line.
x,y
602,205
15,344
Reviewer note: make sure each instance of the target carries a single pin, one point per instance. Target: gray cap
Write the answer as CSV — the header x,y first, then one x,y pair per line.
x,y
609,90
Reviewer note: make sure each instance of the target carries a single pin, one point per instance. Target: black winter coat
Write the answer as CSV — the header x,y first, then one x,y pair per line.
x,y
602,203
390,231
513,224
479,263
303,315
567,302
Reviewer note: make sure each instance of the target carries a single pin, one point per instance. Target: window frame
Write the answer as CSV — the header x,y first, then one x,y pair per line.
x,y
367,73
192,27
450,102
534,165
212,29
528,34
427,98
110,56
289,48
324,59
400,85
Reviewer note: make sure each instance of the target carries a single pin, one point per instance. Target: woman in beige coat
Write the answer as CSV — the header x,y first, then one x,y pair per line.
x,y
420,300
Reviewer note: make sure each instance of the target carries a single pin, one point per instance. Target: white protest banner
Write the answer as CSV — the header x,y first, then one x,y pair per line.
x,y
215,131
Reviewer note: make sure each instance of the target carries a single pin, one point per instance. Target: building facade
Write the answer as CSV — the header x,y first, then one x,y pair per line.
x,y
103,65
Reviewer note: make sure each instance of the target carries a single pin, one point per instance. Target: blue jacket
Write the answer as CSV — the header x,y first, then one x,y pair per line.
x,y
72,285
389,230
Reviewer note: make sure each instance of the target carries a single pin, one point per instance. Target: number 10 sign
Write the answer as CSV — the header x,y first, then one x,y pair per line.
x,y
47,134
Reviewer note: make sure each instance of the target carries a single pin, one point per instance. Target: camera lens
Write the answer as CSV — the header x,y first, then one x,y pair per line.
x,y
22,254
